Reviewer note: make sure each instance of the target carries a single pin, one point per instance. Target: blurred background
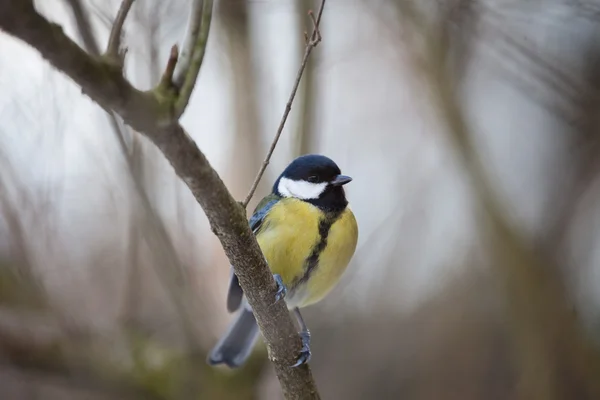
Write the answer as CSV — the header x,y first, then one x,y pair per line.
x,y
470,127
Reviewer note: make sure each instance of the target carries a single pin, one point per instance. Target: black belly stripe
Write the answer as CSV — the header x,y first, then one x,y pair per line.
x,y
312,261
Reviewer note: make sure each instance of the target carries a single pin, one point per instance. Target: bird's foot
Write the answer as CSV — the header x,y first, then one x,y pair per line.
x,y
305,353
281,289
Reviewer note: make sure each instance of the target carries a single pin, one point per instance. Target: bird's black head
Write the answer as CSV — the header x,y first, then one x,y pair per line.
x,y
315,179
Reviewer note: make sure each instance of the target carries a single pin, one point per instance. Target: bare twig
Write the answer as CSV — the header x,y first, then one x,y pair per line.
x,y
167,77
147,113
114,40
311,43
186,73
191,39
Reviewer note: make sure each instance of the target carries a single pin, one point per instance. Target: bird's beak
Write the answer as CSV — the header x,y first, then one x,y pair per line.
x,y
340,180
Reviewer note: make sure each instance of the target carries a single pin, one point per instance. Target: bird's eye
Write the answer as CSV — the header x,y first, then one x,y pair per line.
x,y
313,179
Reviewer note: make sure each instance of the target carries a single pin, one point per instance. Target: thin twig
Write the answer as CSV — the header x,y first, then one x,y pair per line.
x,y
191,38
166,79
186,73
311,43
114,40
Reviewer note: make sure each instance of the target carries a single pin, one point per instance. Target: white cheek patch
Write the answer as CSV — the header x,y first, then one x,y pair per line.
x,y
300,189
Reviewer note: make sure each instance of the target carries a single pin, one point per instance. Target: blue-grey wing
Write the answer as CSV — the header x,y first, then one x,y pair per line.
x,y
235,293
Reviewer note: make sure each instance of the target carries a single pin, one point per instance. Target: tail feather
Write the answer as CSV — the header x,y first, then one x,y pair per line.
x,y
236,344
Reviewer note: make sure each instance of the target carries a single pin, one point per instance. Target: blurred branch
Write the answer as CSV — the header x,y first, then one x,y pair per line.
x,y
188,67
9,211
306,135
35,345
82,21
174,280
156,235
557,358
20,284
150,113
132,149
460,21
132,293
246,152
587,159
572,98
311,43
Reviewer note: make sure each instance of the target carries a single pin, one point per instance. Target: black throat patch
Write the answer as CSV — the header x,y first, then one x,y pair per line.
x,y
312,261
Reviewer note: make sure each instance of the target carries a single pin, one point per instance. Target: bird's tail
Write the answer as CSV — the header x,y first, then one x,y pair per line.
x,y
235,345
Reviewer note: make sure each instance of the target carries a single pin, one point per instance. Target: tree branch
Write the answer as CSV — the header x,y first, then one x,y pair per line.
x,y
311,43
114,40
187,70
150,114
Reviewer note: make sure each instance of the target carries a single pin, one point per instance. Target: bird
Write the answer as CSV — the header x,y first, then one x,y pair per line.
x,y
308,234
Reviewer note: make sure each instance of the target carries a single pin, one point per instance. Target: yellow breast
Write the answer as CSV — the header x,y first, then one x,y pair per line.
x,y
288,237
341,244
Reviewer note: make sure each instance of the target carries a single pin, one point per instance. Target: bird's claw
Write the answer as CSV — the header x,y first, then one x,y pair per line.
x,y
281,289
305,354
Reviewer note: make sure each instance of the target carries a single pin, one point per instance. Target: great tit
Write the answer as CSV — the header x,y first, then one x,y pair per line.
x,y
308,235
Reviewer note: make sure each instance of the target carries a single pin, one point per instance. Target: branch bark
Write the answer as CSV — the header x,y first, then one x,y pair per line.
x,y
195,47
152,114
114,41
